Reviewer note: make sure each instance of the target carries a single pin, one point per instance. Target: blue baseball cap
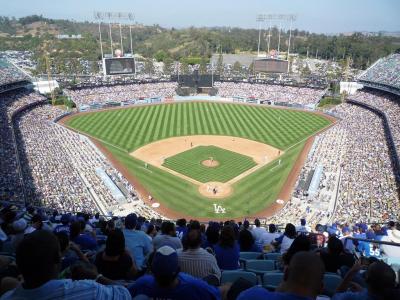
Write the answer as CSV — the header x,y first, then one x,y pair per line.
x,y
165,262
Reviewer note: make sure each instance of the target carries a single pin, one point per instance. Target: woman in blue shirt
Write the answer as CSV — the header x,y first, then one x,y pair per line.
x,y
227,250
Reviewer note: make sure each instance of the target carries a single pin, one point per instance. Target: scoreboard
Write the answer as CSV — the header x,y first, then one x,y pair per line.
x,y
119,66
270,65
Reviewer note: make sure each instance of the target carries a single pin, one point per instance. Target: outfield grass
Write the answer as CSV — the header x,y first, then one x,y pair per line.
x,y
125,130
188,163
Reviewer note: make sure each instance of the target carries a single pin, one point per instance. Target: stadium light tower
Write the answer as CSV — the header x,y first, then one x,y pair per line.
x,y
114,17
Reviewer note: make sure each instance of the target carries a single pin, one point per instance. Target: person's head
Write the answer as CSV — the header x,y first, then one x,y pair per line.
x,y
246,240
193,239
290,231
295,280
168,228
227,237
38,258
272,228
63,239
303,222
65,218
181,222
335,246
194,224
131,221
74,229
257,222
115,243
151,230
165,266
37,221
380,277
246,224
212,233
300,243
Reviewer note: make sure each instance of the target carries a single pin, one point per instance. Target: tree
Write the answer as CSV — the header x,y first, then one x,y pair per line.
x,y
237,67
160,55
203,65
184,68
220,65
168,66
149,67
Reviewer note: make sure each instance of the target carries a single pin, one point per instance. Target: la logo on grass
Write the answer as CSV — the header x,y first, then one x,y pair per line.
x,y
218,209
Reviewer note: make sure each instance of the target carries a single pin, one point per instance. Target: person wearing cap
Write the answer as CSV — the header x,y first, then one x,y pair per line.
x,y
167,282
303,228
17,236
64,226
348,245
136,241
36,223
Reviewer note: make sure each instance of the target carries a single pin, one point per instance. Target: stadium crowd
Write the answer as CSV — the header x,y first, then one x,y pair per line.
x,y
47,255
9,73
385,71
276,93
358,182
120,93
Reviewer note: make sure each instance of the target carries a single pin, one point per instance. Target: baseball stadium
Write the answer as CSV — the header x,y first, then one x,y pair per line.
x,y
198,160
191,157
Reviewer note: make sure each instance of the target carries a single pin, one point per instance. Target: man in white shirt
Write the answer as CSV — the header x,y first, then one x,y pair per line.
x,y
257,231
303,228
268,237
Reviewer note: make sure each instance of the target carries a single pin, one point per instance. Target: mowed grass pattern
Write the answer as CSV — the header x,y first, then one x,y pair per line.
x,y
132,128
125,130
189,163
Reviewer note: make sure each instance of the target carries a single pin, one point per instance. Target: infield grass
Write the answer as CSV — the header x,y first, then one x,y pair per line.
x,y
124,130
189,163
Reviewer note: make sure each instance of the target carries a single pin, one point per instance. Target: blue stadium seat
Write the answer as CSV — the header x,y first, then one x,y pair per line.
x,y
271,280
260,266
244,256
272,256
331,282
232,276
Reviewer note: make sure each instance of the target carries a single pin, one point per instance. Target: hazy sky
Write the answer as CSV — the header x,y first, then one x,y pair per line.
x,y
313,15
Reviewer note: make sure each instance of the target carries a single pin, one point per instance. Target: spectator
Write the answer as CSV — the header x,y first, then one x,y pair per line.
x,y
36,224
38,257
287,238
335,257
303,228
166,282
196,261
181,228
137,242
296,285
167,237
247,242
258,231
115,262
70,253
268,237
84,240
64,226
300,243
380,279
227,250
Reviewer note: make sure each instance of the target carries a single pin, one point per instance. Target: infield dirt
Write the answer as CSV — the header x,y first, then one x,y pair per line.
x,y
155,153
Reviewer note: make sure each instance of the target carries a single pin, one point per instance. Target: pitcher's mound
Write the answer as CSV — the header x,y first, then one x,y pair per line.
x,y
215,189
210,163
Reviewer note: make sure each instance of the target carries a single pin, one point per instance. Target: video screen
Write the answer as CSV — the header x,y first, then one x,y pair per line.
x,y
117,66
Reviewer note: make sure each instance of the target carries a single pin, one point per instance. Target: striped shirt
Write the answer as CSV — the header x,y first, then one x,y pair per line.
x,y
198,263
69,290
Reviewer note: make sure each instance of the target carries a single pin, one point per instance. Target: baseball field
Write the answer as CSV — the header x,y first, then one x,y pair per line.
x,y
203,159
